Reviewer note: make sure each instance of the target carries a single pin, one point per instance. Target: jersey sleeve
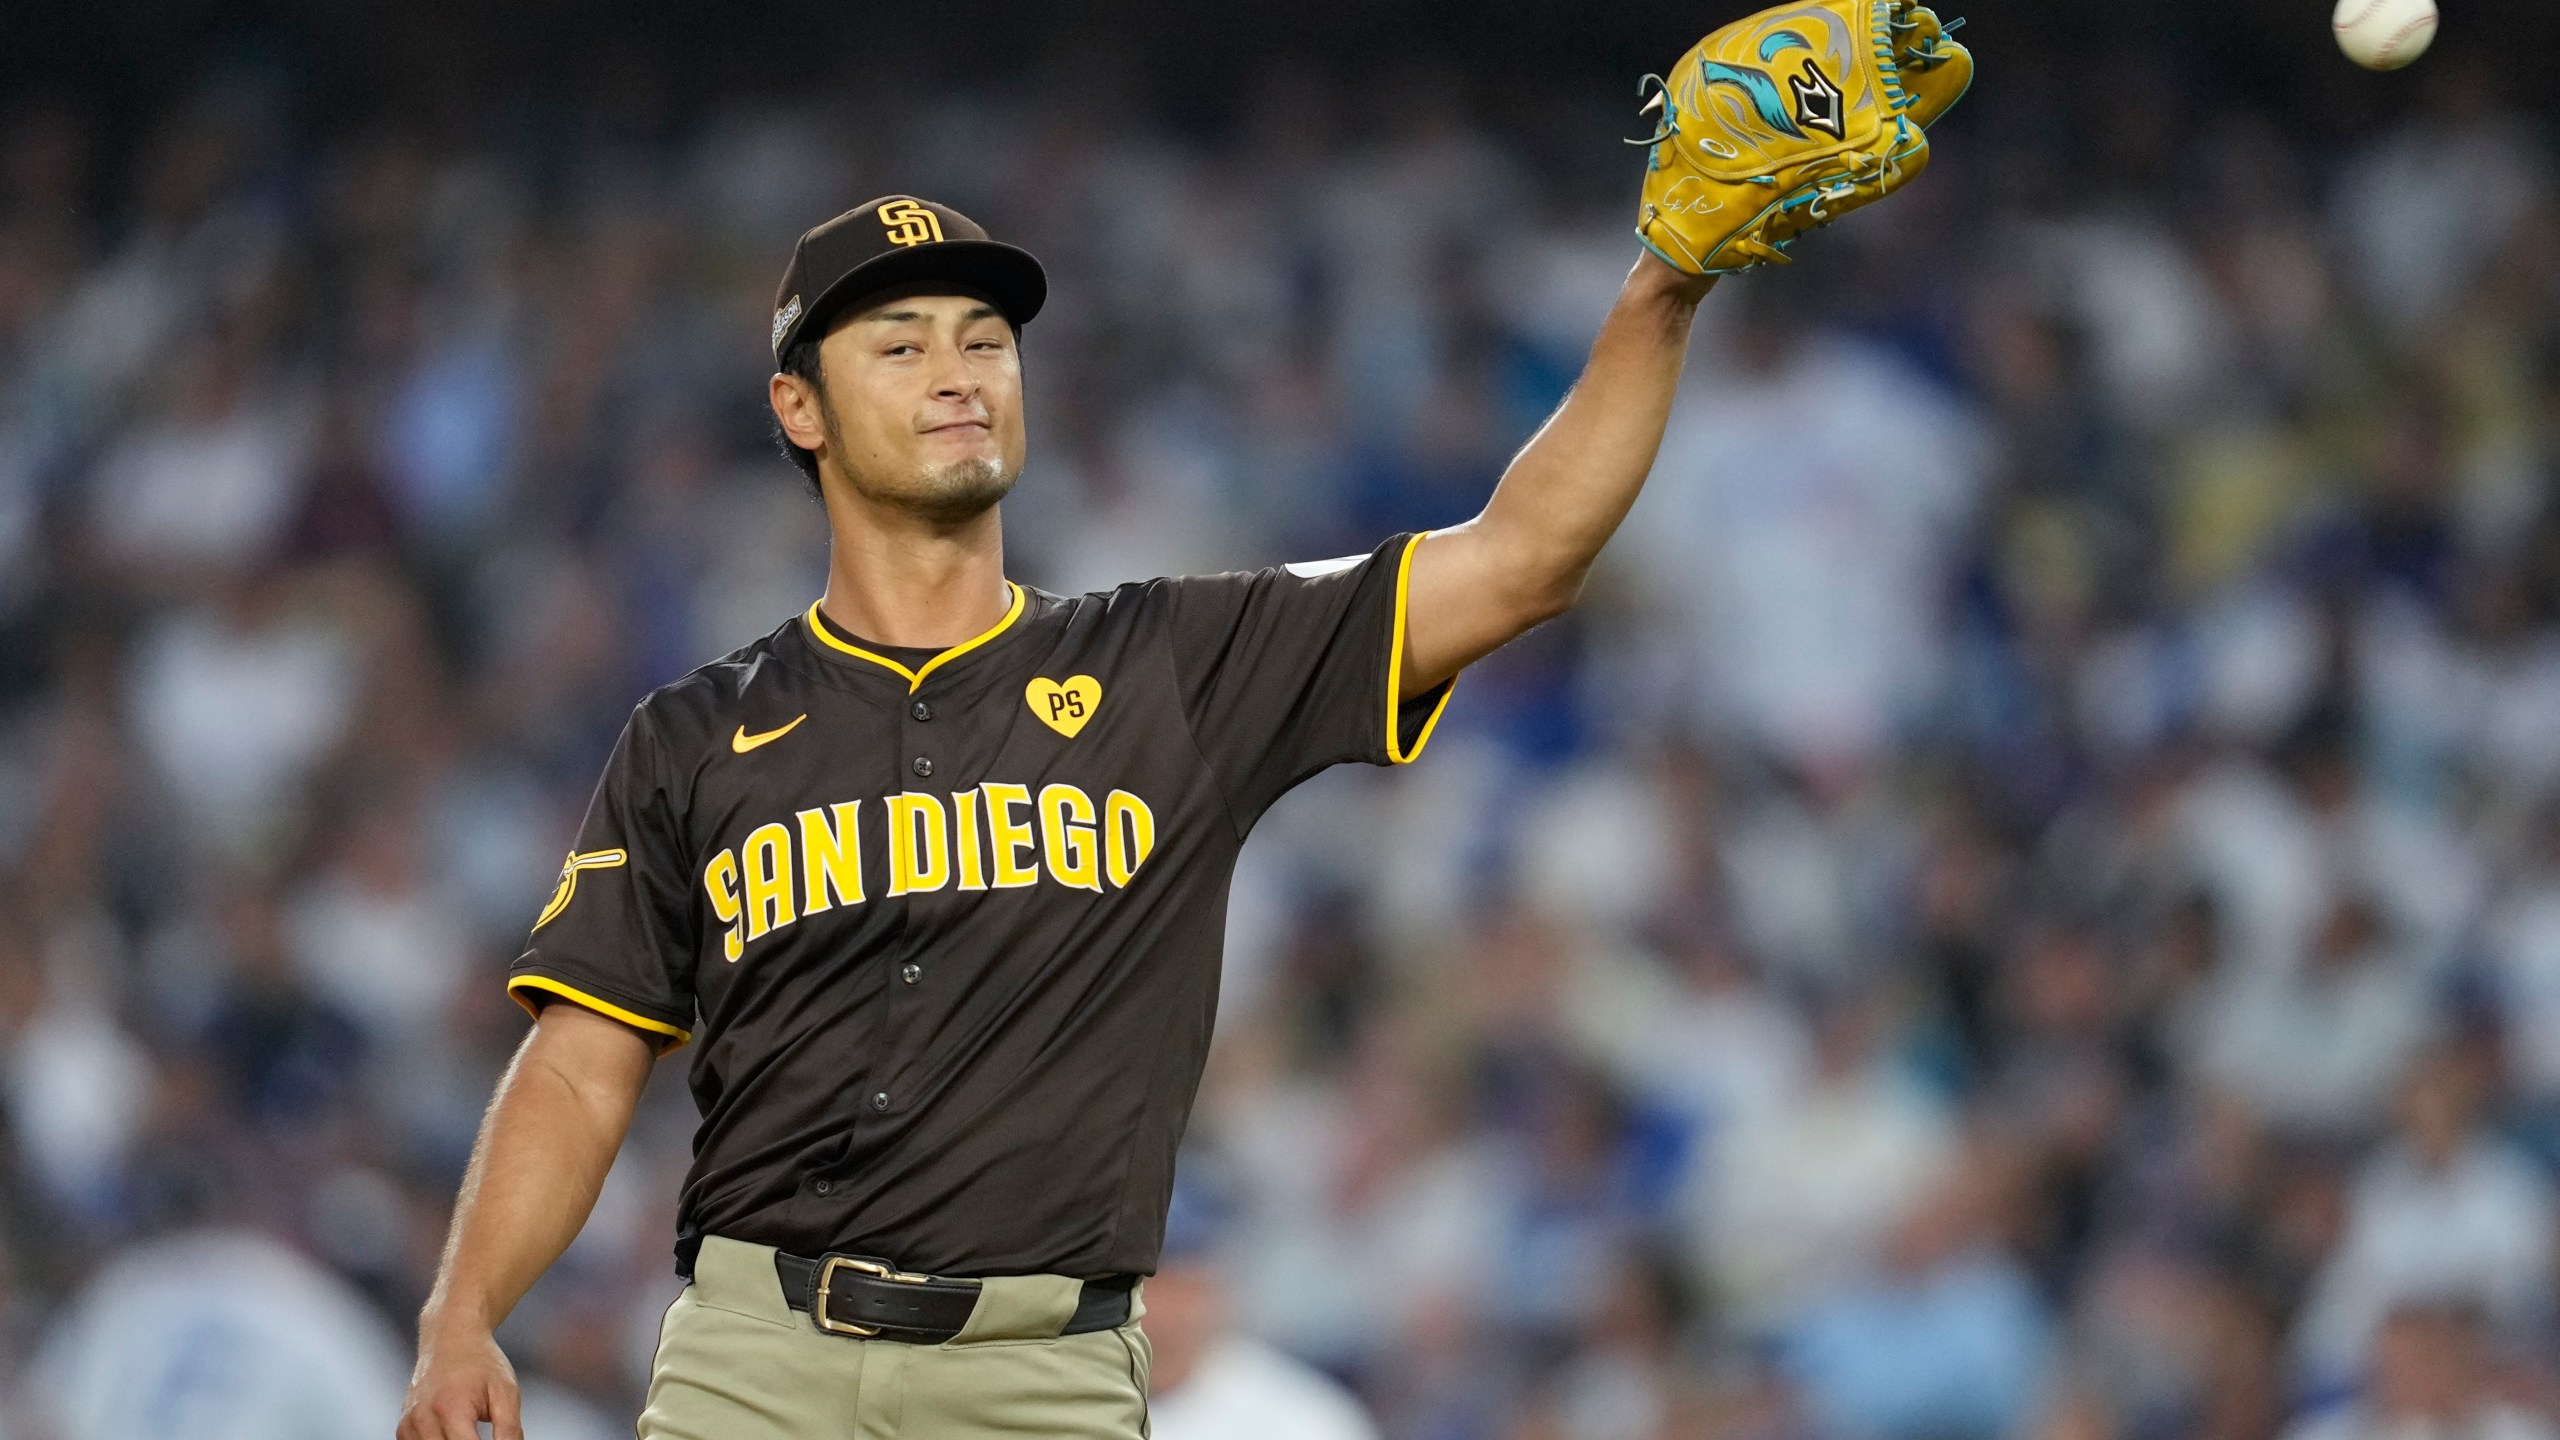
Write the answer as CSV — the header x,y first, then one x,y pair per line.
x,y
615,935
1286,671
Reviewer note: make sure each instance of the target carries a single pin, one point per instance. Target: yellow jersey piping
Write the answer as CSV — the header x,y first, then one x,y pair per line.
x,y
1396,753
915,678
601,1007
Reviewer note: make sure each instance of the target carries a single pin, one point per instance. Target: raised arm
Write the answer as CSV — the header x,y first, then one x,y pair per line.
x,y
549,1137
1523,559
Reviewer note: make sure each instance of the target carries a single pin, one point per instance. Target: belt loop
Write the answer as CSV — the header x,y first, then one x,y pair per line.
x,y
1021,1307
736,1275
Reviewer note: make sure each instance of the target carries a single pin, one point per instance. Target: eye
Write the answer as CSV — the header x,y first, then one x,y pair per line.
x,y
900,348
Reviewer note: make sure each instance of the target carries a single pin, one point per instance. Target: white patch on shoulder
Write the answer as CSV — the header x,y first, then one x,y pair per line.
x,y
1317,569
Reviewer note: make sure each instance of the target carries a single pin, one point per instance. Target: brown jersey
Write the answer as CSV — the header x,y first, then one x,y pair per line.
x,y
945,936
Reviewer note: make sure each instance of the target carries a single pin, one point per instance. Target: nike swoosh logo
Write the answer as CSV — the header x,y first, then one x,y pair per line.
x,y
742,742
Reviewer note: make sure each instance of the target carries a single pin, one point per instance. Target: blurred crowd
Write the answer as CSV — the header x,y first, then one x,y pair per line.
x,y
2025,903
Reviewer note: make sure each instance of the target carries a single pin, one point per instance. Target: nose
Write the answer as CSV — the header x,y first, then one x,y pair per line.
x,y
953,379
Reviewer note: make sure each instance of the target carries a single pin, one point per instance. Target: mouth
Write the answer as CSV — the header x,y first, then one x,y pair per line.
x,y
963,429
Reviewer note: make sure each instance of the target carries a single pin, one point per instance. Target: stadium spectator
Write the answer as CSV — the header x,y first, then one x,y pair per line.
x,y
1211,1381
2430,1374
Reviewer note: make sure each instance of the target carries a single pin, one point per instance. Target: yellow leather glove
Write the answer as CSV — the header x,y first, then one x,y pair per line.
x,y
1788,120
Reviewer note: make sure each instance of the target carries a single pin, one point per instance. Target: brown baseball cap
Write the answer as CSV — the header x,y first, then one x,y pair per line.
x,y
897,240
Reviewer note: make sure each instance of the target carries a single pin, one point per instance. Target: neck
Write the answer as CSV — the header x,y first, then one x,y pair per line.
x,y
901,580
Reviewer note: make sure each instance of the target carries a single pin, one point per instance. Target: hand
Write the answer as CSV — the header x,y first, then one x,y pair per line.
x,y
462,1379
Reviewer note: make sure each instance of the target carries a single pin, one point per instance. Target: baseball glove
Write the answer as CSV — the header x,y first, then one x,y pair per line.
x,y
1791,119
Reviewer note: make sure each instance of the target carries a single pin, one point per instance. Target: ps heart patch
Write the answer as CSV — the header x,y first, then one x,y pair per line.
x,y
1064,705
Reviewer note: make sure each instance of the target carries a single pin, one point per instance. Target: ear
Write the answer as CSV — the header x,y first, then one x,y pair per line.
x,y
795,406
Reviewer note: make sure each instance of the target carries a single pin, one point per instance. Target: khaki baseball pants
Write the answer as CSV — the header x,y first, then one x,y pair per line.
x,y
737,1363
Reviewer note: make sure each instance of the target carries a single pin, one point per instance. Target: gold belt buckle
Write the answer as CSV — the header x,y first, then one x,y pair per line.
x,y
827,1269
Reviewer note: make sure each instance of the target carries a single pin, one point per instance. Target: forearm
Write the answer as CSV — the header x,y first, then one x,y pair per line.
x,y
1523,559
548,1140
1565,493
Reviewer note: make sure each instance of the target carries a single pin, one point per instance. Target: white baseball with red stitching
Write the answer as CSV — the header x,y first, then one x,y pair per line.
x,y
2384,34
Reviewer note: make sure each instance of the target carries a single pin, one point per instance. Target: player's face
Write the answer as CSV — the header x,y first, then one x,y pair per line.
x,y
923,404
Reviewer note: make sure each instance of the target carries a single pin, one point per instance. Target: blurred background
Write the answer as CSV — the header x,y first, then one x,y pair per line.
x,y
2025,903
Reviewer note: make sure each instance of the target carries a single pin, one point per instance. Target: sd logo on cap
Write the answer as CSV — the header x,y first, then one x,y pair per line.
x,y
899,240
909,223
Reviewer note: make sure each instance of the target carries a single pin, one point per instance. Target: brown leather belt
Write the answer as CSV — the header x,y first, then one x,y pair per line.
x,y
873,1300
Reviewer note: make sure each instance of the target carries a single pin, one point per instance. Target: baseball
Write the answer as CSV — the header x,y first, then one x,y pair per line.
x,y
2384,34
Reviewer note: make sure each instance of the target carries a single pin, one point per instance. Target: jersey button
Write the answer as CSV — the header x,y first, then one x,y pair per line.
x,y
923,768
911,972
880,1101
824,1187
920,710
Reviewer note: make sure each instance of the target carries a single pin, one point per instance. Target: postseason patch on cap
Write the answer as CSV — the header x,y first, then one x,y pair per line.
x,y
783,317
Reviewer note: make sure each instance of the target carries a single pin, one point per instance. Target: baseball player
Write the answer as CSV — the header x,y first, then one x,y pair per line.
x,y
931,880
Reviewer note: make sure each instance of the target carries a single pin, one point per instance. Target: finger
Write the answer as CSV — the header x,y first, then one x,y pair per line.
x,y
506,1410
419,1422
457,1419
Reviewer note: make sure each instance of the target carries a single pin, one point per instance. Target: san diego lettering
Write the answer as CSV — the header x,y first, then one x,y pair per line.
x,y
995,837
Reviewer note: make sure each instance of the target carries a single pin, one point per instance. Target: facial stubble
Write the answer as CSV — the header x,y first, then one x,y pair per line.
x,y
940,495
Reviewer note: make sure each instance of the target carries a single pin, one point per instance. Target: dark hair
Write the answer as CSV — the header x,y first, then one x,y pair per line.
x,y
801,361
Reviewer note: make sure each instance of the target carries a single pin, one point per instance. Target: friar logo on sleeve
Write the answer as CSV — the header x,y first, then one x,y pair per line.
x,y
592,860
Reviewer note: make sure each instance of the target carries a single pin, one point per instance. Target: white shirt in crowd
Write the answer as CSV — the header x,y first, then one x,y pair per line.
x,y
234,714
2480,1228
2316,1051
219,1337
229,1335
2523,943
1798,1198
1798,531
1244,1389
